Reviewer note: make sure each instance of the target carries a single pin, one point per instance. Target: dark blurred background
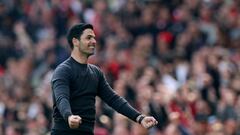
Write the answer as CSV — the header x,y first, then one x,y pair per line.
x,y
178,60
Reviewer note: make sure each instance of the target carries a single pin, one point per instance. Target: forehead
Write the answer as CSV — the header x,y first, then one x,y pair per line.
x,y
88,32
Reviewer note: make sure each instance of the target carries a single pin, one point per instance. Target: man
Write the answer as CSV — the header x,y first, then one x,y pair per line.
x,y
75,84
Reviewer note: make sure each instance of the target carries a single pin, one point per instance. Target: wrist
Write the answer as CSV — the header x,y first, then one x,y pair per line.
x,y
67,115
140,118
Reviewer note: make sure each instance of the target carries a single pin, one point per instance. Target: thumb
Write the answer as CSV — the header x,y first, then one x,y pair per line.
x,y
149,119
76,118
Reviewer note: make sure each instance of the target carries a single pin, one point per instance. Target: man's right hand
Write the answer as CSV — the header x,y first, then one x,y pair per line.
x,y
74,121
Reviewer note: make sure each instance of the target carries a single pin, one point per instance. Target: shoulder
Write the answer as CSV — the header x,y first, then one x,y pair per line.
x,y
64,66
62,70
95,69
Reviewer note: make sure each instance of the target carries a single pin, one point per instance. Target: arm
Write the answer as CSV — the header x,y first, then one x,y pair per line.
x,y
107,94
61,91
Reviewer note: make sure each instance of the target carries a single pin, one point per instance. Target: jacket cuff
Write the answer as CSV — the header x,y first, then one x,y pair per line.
x,y
66,116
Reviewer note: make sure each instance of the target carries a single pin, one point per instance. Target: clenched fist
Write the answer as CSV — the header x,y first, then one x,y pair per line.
x,y
147,121
74,121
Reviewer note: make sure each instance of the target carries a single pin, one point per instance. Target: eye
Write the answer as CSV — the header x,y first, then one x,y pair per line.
x,y
89,37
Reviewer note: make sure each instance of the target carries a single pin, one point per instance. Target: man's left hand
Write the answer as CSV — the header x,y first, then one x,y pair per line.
x,y
148,122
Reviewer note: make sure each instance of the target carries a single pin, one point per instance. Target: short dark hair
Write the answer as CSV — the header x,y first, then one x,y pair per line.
x,y
76,31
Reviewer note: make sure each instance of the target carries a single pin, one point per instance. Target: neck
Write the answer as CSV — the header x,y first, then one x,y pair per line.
x,y
79,57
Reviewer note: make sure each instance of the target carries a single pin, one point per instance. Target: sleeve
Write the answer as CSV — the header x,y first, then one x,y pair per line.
x,y
118,103
61,91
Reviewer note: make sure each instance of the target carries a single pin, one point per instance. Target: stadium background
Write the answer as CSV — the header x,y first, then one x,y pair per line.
x,y
178,60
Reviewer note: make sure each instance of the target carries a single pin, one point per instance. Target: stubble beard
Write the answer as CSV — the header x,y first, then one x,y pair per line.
x,y
85,53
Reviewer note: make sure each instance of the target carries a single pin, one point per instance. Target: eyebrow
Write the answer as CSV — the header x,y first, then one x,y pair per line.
x,y
91,35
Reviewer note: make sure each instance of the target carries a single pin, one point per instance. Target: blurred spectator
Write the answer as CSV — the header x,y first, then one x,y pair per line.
x,y
177,60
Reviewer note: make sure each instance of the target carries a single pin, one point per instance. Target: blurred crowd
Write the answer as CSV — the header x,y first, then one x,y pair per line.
x,y
177,60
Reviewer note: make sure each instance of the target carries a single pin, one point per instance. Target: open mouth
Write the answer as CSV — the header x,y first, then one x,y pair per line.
x,y
92,47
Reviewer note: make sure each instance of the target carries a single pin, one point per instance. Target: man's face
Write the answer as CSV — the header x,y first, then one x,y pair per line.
x,y
87,42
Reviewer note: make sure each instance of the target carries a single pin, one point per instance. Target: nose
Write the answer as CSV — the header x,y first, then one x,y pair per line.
x,y
93,41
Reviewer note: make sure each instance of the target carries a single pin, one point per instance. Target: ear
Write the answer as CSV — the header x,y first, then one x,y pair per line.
x,y
75,42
